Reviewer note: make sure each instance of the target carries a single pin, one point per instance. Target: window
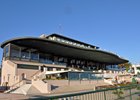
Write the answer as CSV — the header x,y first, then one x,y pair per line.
x,y
88,46
34,56
6,50
45,58
61,59
58,69
58,39
24,66
15,52
50,38
25,55
23,76
65,60
54,38
50,69
63,40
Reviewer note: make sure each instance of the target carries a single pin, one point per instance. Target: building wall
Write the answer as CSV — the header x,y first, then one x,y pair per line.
x,y
27,72
41,86
74,82
136,69
11,74
8,73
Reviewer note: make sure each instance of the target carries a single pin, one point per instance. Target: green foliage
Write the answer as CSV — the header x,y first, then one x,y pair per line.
x,y
119,93
126,65
134,81
138,87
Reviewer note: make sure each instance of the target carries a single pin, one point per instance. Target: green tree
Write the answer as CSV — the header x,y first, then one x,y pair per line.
x,y
127,65
119,92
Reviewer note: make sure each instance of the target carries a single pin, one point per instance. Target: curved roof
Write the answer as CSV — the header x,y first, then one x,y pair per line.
x,y
62,49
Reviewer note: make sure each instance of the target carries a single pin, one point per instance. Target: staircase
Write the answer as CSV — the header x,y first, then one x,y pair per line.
x,y
20,87
25,86
41,75
38,75
33,90
25,89
109,81
22,90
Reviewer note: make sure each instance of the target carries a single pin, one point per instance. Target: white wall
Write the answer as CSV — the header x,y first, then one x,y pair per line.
x,y
135,68
41,86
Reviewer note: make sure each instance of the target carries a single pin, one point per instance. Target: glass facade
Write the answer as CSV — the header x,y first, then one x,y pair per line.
x,y
25,55
15,52
84,76
45,58
34,56
6,51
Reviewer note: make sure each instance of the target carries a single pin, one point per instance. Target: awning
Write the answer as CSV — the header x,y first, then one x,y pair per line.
x,y
54,72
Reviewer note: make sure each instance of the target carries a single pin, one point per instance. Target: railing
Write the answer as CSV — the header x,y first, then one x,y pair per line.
x,y
16,85
130,92
32,60
36,73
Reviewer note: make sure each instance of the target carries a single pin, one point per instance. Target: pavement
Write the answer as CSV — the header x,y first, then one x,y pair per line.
x,y
7,96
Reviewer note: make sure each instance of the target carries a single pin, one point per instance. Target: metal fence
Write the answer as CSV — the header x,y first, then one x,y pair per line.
x,y
131,92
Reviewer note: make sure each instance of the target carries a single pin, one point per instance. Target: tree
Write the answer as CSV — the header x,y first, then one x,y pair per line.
x,y
119,92
125,65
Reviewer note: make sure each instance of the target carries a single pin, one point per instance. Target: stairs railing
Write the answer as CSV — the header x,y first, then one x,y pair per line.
x,y
35,73
16,85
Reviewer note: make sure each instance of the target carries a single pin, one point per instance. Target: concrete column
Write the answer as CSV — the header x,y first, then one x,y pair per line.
x,y
54,69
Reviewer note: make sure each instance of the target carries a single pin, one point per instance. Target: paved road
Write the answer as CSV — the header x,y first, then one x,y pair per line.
x,y
4,96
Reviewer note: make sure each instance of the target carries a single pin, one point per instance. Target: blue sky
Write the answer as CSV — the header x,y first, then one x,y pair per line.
x,y
113,25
